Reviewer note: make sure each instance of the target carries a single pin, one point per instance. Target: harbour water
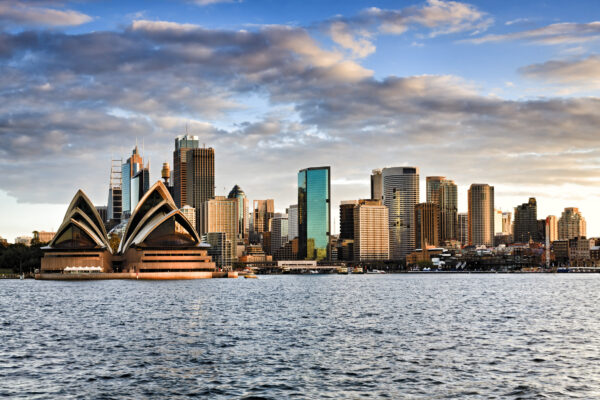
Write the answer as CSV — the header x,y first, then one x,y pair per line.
x,y
303,336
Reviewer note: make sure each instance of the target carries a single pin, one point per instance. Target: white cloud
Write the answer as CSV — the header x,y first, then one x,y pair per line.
x,y
21,13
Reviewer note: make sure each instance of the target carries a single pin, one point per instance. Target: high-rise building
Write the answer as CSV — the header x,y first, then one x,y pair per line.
x,y
139,185
279,231
448,202
463,228
552,228
314,212
481,214
221,215
182,145
243,212
571,224
128,170
200,181
433,188
506,223
220,248
526,225
400,195
371,231
427,225
376,185
292,222
497,221
263,211
347,219
103,212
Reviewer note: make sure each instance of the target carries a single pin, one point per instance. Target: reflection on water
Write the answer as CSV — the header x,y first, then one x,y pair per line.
x,y
330,336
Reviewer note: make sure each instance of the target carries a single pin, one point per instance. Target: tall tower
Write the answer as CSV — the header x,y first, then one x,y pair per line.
x,y
400,195
371,231
448,202
314,212
463,228
481,214
433,188
243,205
427,225
165,174
526,228
200,181
376,185
571,224
128,170
182,145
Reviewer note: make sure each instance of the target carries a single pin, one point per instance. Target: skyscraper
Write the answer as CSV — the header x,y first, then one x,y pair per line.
x,y
376,185
400,195
371,231
182,145
221,215
128,170
433,188
571,224
526,224
279,232
507,223
347,219
314,212
139,185
292,221
200,181
263,211
497,221
463,228
448,202
243,205
427,226
115,194
481,214
552,227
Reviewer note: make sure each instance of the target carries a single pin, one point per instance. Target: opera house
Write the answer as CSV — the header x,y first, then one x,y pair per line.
x,y
158,243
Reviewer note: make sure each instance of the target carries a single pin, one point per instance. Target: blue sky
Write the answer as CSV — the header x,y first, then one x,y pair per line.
x,y
499,92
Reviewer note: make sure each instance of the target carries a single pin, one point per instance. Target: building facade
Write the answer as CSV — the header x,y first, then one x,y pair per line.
x,y
221,215
552,228
481,214
371,231
427,226
292,213
279,231
183,143
433,188
463,228
400,196
376,185
526,226
571,224
200,181
314,212
448,202
243,211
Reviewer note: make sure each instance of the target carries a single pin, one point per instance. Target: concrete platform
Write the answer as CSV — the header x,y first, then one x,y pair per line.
x,y
133,275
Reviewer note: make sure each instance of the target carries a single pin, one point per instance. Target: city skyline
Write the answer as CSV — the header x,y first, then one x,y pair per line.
x,y
477,92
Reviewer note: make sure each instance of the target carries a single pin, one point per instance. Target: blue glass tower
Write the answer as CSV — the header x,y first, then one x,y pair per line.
x,y
314,213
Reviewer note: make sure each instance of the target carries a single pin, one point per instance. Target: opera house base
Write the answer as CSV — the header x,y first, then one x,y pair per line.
x,y
133,275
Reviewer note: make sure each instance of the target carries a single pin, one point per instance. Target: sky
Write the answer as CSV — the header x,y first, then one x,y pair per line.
x,y
504,93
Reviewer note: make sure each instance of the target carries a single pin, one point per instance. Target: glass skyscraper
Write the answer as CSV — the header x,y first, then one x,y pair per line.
x,y
314,213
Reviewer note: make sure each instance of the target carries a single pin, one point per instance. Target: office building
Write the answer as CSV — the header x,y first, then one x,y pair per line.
x,y
433,188
371,231
243,211
571,224
497,221
292,213
279,231
314,212
526,226
221,215
448,202
190,213
507,223
463,228
376,185
139,185
128,170
400,196
481,214
552,228
115,194
220,250
347,219
263,211
182,145
200,181
427,225
103,212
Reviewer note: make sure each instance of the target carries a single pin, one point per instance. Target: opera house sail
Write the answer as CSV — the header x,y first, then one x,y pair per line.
x,y
158,243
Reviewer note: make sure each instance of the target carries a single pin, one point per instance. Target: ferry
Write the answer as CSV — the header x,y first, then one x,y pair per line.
x,y
342,270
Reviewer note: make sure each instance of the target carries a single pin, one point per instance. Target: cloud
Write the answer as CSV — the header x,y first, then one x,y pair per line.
x,y
71,101
559,33
210,2
360,47
582,74
37,14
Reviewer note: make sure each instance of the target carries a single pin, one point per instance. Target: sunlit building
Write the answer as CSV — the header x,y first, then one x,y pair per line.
x,y
526,222
243,211
183,143
314,212
221,215
448,202
427,225
481,214
571,224
552,227
433,188
400,196
370,231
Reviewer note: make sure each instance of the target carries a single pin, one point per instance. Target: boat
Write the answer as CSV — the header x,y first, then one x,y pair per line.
x,y
250,276
358,270
342,270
